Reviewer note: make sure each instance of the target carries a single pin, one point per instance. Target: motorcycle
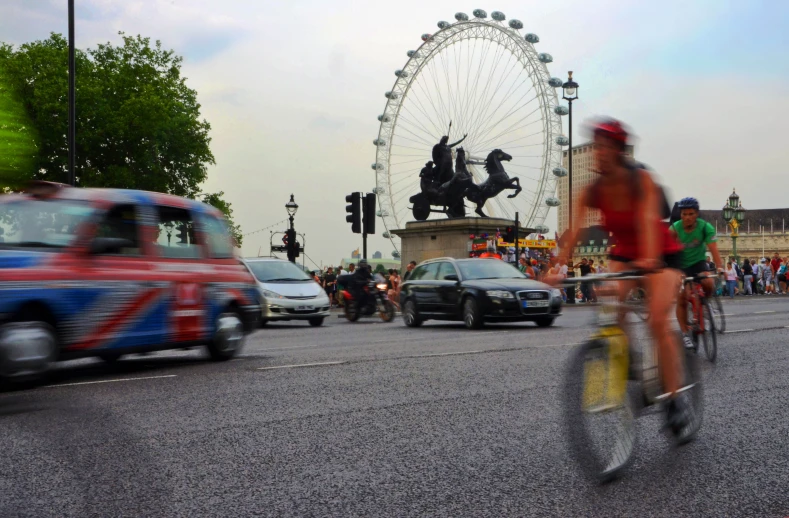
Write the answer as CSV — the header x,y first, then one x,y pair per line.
x,y
374,300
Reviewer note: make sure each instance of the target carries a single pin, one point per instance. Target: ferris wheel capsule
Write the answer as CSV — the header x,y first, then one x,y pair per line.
x,y
396,254
391,95
544,57
562,140
461,17
498,16
401,73
377,167
542,229
532,38
386,235
382,214
379,190
480,13
560,172
443,25
426,36
516,24
553,201
412,54
384,118
561,110
555,82
379,142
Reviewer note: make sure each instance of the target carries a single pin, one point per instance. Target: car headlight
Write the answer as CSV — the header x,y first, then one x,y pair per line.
x,y
556,293
499,294
270,294
381,286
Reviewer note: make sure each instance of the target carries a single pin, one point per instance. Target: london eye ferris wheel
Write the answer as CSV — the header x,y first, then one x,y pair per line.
x,y
482,78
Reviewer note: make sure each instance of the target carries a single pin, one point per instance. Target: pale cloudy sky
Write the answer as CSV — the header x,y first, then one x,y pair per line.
x,y
293,88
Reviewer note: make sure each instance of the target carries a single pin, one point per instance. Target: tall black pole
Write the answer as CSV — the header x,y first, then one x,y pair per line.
x,y
570,180
72,126
364,245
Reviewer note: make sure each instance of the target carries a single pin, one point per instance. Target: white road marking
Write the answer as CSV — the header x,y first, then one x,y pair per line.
x,y
109,381
286,348
762,312
456,353
296,366
738,331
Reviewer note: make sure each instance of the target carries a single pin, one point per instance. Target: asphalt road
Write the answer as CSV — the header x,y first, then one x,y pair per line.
x,y
374,419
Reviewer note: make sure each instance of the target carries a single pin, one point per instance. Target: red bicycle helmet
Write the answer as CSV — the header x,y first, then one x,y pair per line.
x,y
612,129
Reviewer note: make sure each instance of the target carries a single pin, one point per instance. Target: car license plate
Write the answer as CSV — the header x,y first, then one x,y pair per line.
x,y
304,308
535,303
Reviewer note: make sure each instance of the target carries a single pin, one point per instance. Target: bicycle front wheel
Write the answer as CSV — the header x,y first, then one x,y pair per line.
x,y
710,338
598,413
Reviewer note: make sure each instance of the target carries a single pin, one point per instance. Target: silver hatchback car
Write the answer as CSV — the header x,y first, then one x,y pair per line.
x,y
287,292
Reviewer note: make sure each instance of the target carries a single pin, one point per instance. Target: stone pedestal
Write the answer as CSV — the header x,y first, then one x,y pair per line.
x,y
422,240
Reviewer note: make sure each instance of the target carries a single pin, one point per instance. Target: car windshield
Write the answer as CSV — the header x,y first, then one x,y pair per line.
x,y
277,271
473,269
40,223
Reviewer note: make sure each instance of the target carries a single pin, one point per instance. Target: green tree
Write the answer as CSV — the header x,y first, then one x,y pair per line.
x,y
380,268
216,200
138,123
18,138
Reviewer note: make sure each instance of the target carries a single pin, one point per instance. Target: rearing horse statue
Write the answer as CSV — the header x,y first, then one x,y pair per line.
x,y
497,181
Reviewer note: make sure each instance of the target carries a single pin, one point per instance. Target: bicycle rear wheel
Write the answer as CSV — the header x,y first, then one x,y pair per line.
x,y
599,415
694,396
709,337
718,316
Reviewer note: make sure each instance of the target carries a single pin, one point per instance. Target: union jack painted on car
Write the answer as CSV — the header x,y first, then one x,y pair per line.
x,y
98,272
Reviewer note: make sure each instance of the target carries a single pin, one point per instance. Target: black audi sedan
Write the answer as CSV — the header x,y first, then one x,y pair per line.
x,y
476,291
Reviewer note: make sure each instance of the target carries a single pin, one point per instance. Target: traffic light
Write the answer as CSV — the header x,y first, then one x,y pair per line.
x,y
182,234
291,245
509,235
354,214
369,213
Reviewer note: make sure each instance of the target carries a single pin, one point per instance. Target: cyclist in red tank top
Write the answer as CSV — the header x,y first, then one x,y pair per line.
x,y
630,203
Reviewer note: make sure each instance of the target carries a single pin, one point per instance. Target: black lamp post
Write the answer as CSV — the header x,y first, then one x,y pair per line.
x,y
570,94
292,207
72,111
734,214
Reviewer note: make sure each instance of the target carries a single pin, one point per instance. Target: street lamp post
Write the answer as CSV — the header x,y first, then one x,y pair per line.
x,y
570,94
291,207
734,214
72,110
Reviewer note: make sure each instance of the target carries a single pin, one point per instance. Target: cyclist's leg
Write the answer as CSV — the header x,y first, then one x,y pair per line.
x,y
623,287
662,289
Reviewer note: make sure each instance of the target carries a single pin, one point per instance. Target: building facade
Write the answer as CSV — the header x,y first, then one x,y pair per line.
x,y
583,175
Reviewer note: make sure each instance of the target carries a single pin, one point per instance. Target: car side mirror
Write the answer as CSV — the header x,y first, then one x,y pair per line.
x,y
451,277
109,245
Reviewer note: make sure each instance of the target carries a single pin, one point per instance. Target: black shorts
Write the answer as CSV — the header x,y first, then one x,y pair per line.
x,y
695,269
671,260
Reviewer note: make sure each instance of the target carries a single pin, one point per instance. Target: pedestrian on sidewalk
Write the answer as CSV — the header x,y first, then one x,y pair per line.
x,y
747,281
731,279
330,285
767,276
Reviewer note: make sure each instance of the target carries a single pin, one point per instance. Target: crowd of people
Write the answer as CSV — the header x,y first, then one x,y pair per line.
x,y
751,276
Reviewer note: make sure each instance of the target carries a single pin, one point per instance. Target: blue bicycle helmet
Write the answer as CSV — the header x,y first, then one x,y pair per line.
x,y
689,203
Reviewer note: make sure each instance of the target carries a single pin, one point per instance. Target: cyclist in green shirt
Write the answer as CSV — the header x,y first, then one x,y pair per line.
x,y
696,236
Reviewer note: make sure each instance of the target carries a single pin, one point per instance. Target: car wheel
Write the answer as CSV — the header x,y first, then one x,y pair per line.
x,y
28,350
472,316
228,336
545,321
411,315
316,322
262,322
